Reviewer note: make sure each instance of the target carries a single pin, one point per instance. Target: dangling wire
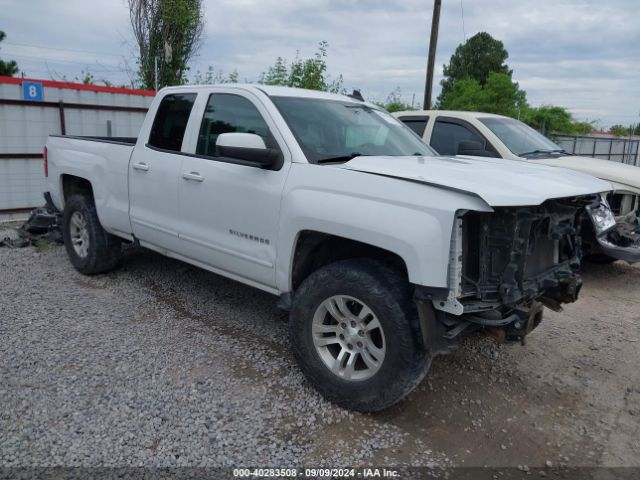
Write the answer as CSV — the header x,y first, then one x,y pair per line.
x,y
464,34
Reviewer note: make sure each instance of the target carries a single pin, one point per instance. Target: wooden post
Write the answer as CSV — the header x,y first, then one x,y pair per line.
x,y
433,43
63,128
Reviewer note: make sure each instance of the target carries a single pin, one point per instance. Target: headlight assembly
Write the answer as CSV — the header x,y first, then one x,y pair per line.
x,y
601,217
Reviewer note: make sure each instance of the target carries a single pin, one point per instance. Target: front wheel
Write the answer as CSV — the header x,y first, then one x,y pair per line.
x,y
599,259
354,331
90,248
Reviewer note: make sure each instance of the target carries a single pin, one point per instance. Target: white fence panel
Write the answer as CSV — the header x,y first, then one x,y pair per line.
x,y
68,108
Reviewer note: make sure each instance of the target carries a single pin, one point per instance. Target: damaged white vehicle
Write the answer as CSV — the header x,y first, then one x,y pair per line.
x,y
489,135
384,253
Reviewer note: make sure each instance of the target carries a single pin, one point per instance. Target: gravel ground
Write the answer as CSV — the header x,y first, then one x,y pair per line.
x,y
162,364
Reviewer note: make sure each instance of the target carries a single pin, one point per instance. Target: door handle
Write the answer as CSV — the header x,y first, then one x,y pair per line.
x,y
193,176
141,166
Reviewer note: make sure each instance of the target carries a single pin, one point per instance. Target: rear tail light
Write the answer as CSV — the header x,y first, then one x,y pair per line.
x,y
46,162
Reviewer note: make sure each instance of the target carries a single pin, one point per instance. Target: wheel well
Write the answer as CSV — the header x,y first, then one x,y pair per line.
x,y
72,185
314,250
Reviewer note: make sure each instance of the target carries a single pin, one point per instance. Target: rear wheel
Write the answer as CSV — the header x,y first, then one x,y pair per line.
x,y
90,248
354,330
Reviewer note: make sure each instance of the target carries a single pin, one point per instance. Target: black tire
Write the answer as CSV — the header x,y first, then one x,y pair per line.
x,y
390,297
600,259
103,251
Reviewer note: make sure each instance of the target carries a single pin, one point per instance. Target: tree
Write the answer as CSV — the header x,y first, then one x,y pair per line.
x,y
499,95
169,32
503,95
622,131
86,77
466,94
9,68
475,59
212,76
394,102
549,118
582,128
619,130
555,119
303,73
277,74
478,79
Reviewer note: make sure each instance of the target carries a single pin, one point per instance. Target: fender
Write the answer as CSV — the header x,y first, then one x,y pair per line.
x,y
409,219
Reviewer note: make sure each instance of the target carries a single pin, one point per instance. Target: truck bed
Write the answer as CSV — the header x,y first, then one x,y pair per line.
x,y
104,163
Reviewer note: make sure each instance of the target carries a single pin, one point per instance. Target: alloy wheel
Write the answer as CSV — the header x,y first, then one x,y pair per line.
x,y
348,337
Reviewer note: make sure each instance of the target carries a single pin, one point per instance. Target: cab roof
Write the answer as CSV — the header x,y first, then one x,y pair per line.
x,y
452,113
270,90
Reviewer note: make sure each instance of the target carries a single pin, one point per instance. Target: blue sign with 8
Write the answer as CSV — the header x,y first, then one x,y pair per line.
x,y
32,91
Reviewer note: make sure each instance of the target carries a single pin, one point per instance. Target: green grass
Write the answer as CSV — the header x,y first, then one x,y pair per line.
x,y
42,246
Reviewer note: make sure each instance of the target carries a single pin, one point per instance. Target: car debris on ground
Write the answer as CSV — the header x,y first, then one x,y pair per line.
x,y
43,225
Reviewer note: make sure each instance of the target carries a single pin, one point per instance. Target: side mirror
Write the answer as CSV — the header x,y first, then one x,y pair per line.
x,y
248,147
472,148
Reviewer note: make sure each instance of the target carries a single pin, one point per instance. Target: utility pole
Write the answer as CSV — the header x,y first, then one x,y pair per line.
x,y
637,161
155,72
433,42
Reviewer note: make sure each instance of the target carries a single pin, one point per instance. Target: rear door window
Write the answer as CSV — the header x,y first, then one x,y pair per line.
x,y
418,125
170,123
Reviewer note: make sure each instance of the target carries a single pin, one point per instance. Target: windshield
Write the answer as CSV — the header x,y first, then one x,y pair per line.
x,y
520,138
339,130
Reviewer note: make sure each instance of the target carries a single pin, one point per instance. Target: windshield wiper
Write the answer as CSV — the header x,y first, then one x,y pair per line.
x,y
535,152
340,158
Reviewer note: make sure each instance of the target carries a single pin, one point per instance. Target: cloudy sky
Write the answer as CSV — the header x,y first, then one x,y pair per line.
x,y
584,55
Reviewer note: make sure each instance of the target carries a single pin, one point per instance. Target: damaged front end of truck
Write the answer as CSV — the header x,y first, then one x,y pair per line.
x,y
614,233
505,266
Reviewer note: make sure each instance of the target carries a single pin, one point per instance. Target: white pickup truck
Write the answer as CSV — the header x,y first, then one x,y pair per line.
x,y
490,135
384,253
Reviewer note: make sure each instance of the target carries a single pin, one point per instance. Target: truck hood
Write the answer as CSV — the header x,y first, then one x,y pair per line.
x,y
497,181
619,173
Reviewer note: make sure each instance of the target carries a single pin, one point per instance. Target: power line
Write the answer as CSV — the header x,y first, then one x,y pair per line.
x,y
61,61
94,66
60,49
